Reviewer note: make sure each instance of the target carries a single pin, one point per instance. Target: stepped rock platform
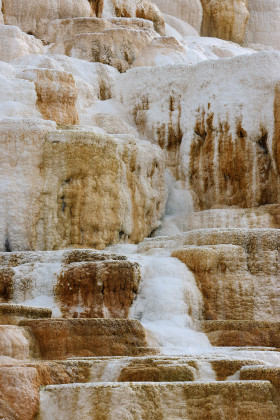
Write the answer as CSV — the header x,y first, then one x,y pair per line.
x,y
60,339
139,210
12,314
179,400
243,333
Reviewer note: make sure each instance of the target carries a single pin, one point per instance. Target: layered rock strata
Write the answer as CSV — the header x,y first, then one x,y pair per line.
x,y
61,339
182,400
12,314
90,158
66,185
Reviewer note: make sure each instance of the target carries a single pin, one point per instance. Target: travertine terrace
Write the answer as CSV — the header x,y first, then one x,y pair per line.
x,y
140,210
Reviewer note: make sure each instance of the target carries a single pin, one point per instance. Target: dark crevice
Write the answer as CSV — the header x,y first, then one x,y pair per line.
x,y
7,245
262,142
202,136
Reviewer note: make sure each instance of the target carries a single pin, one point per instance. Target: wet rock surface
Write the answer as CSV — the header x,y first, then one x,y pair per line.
x,y
148,130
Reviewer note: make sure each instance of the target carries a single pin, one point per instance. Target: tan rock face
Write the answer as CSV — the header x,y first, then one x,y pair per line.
x,y
155,52
57,95
99,290
225,19
237,278
237,160
12,314
60,339
20,384
152,371
97,7
29,14
148,10
116,47
264,373
56,30
242,333
19,390
88,197
142,9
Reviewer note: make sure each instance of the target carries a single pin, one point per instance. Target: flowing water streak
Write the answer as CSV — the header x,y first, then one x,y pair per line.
x,y
168,304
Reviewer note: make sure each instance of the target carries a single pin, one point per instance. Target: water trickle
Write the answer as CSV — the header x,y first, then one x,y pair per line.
x,y
168,305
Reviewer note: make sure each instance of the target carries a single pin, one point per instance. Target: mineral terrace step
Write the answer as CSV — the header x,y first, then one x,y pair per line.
x,y
267,373
239,400
242,333
63,338
11,314
162,368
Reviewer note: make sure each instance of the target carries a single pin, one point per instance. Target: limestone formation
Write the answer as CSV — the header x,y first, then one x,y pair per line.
x,y
97,290
242,333
224,149
266,373
28,15
97,7
56,30
182,27
61,339
124,130
225,19
143,9
12,314
236,278
66,175
116,47
262,27
181,400
16,343
245,263
56,95
258,217
15,43
160,50
20,383
189,11
18,390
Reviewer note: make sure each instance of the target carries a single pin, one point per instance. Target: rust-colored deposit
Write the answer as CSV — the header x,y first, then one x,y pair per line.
x,y
97,289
